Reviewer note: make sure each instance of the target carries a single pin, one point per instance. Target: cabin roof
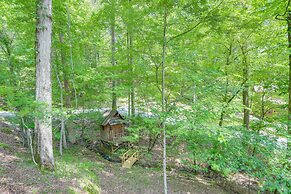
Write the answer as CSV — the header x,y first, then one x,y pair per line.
x,y
109,117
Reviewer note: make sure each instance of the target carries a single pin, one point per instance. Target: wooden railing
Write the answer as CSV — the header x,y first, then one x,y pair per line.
x,y
135,155
128,155
115,149
125,156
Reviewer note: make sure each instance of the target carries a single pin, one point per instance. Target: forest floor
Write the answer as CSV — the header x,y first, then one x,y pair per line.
x,y
82,171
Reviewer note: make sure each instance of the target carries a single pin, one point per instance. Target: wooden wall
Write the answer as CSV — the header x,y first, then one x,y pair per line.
x,y
111,132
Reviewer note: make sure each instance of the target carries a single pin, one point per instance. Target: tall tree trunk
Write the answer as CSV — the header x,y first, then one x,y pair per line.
x,y
71,56
288,19
43,124
11,67
225,98
263,106
289,88
113,61
164,100
65,67
132,89
96,53
132,100
128,60
129,104
131,67
63,142
246,102
6,45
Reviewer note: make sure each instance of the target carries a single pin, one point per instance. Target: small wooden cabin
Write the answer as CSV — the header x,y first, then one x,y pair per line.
x,y
112,127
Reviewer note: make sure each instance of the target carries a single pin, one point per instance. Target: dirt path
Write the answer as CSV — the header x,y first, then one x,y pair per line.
x,y
82,171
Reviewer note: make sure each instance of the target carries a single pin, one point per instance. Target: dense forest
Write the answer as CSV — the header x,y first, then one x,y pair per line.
x,y
202,87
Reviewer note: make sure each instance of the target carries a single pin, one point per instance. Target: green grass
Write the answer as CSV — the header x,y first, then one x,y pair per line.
x,y
1,170
4,145
79,164
6,130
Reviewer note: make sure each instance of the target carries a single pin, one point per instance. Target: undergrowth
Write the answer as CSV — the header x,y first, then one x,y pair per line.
x,y
76,165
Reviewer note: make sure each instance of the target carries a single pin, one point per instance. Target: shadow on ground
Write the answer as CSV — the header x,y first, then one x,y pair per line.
x,y
82,171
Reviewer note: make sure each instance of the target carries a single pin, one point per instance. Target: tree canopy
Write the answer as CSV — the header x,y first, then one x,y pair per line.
x,y
214,73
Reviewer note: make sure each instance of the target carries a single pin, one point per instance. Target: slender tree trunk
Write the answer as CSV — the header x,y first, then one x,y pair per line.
x,y
71,56
289,88
225,99
262,117
288,19
229,101
11,67
221,117
63,131
43,123
164,100
6,46
29,139
96,55
128,58
132,101
246,102
129,104
132,89
65,67
263,106
194,94
66,90
130,64
63,142
113,61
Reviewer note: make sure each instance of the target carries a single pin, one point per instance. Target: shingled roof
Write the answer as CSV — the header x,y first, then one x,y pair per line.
x,y
108,114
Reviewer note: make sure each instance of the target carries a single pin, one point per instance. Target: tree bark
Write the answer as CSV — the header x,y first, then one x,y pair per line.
x,y
132,100
65,73
225,98
131,67
128,58
43,123
132,89
63,141
164,100
289,87
6,46
113,61
71,56
129,104
246,102
263,112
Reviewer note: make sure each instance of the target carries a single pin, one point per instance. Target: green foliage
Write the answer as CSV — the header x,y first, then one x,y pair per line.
x,y
278,179
204,76
6,130
4,146
234,149
75,166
